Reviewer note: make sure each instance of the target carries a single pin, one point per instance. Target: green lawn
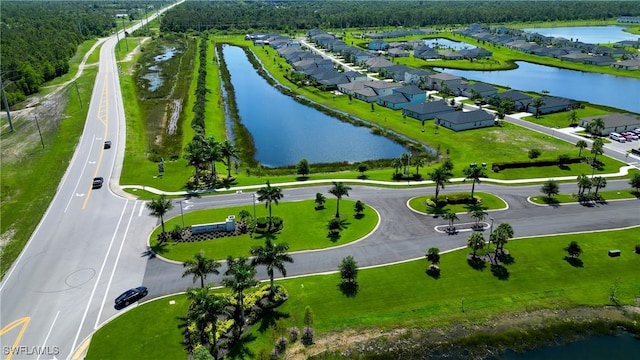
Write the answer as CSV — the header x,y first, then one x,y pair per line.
x,y
570,198
561,119
490,201
304,229
538,278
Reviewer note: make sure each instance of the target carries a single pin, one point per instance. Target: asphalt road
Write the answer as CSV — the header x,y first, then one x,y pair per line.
x,y
92,244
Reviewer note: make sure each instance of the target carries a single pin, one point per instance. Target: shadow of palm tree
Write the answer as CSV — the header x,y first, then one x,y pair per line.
x,y
334,236
159,249
476,263
241,349
302,178
433,272
500,272
506,259
574,261
349,289
269,318
359,216
265,236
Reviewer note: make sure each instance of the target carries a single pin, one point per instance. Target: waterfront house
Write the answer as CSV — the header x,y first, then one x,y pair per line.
x,y
465,120
402,97
614,122
427,110
627,65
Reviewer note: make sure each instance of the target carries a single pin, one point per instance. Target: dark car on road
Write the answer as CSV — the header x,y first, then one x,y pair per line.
x,y
130,296
107,144
97,182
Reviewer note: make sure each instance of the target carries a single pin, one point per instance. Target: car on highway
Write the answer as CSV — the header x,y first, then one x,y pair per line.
x,y
97,182
130,296
107,144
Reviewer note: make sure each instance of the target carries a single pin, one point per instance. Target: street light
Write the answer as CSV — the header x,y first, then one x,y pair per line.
x,y
181,212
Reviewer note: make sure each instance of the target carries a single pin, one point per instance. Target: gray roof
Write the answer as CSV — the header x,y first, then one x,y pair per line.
x,y
464,117
616,119
429,107
410,90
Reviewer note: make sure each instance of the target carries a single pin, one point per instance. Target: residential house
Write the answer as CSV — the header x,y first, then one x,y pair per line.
x,y
425,52
376,62
427,110
485,91
614,122
371,90
398,52
378,45
552,104
599,61
437,81
627,65
402,97
354,76
465,120
520,100
417,77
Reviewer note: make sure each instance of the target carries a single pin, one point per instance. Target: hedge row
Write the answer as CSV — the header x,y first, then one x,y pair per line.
x,y
497,166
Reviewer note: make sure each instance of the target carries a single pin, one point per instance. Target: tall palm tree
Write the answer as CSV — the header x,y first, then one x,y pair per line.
x,y
573,117
440,176
269,195
212,153
396,164
597,126
241,276
475,242
501,235
451,217
597,148
581,144
339,190
584,183
195,156
204,310
228,152
199,267
418,162
598,183
405,158
478,215
474,173
159,207
273,256
537,104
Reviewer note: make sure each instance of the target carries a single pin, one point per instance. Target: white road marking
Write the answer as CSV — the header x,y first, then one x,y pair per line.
x,y
80,195
48,334
75,189
104,262
115,265
141,209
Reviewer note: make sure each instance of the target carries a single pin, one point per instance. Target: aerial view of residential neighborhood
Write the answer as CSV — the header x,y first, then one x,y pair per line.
x,y
319,179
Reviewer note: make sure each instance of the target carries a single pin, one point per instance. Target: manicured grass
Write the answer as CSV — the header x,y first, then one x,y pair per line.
x,y
136,338
571,198
304,229
538,278
490,201
561,119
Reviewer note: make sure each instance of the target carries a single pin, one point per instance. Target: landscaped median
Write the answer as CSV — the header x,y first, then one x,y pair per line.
x,y
538,278
573,198
486,200
305,228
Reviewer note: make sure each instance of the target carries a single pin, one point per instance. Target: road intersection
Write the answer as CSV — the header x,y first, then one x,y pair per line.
x,y
92,244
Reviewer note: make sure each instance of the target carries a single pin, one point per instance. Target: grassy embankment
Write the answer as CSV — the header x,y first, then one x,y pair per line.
x,y
26,193
299,218
537,279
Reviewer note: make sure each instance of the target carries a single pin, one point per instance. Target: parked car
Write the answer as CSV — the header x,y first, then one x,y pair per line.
x,y
630,134
617,137
627,137
97,182
107,144
130,296
637,131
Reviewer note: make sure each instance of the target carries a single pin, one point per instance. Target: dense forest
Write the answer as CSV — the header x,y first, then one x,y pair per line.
x,y
282,16
39,37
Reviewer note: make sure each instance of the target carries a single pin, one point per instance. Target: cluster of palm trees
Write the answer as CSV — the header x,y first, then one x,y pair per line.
x,y
443,174
500,236
405,162
203,153
206,309
586,183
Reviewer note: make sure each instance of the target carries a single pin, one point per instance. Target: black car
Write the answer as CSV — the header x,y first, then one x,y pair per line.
x,y
130,296
107,144
97,182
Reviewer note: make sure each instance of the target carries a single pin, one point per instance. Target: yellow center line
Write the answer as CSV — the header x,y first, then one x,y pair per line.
x,y
24,321
102,107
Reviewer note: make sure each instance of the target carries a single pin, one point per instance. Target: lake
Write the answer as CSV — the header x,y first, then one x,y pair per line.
x,y
588,34
615,91
622,347
285,131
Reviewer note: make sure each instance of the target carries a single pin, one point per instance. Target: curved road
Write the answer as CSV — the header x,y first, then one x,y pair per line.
x,y
91,244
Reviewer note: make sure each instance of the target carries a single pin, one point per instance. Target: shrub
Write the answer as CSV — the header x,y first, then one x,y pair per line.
x,y
281,344
534,154
498,166
307,336
638,249
293,334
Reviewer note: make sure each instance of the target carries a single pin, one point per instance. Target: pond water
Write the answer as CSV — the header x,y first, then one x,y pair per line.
x,y
615,91
622,347
285,131
439,43
153,77
588,34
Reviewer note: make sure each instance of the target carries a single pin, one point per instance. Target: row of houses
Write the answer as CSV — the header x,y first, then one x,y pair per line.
x,y
404,89
557,47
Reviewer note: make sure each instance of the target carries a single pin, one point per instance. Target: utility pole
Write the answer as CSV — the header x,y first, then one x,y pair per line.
x,y
6,104
124,34
39,132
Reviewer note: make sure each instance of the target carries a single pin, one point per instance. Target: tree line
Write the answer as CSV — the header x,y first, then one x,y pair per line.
x,y
286,16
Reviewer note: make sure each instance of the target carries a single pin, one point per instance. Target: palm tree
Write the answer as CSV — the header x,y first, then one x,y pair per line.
x,y
205,310
240,278
635,182
573,117
598,183
433,256
478,215
195,155
212,154
537,104
405,158
475,242
581,144
440,176
597,148
228,152
339,190
269,195
272,256
199,267
584,183
396,164
159,207
474,173
418,162
501,235
451,217
550,188
597,126
320,200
